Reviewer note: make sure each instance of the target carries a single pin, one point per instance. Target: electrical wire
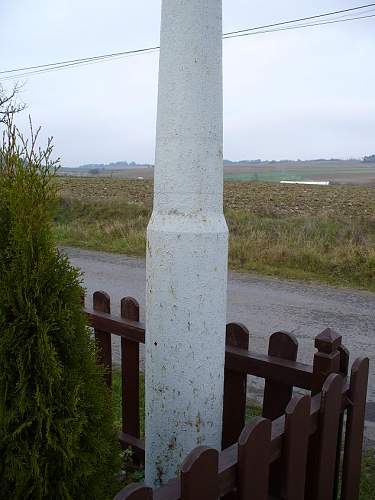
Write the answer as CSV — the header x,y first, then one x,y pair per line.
x,y
276,27
298,26
302,19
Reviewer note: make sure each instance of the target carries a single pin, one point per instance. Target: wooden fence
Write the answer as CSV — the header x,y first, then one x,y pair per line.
x,y
293,452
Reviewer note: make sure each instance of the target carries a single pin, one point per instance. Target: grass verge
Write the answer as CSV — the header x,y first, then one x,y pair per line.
x,y
367,491
331,249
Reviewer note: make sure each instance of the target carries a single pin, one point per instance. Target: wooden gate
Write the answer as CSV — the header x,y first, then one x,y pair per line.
x,y
293,451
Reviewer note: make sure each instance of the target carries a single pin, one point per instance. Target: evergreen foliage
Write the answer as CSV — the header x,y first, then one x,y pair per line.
x,y
56,423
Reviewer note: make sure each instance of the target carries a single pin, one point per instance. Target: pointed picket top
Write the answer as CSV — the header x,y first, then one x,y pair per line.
x,y
328,341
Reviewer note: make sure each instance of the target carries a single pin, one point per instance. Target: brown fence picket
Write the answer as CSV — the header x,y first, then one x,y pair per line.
x,y
277,395
254,450
327,359
135,492
354,430
344,359
295,446
102,303
130,372
329,422
199,475
235,384
344,367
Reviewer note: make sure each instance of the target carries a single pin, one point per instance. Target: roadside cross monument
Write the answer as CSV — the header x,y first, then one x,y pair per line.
x,y
187,245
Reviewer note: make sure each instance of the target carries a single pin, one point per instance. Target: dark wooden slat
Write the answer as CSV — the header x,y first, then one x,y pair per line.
x,y
135,492
354,430
235,384
344,360
326,361
298,374
130,372
130,330
287,372
254,449
344,367
294,454
329,422
102,303
199,475
277,395
136,444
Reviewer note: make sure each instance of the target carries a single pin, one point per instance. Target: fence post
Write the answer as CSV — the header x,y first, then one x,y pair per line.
x,y
254,450
235,384
102,303
130,372
329,422
135,492
354,429
326,361
199,475
295,447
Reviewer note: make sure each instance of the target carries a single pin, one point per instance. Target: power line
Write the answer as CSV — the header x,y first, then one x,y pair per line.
x,y
233,34
286,28
280,26
157,47
81,62
302,19
84,59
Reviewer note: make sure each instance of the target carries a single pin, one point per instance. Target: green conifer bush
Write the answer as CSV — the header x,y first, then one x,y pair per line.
x,y
57,439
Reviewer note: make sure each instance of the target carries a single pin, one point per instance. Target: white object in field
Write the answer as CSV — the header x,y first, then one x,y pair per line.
x,y
140,178
187,245
312,183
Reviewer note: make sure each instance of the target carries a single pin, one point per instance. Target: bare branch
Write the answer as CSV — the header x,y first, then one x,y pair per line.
x,y
8,102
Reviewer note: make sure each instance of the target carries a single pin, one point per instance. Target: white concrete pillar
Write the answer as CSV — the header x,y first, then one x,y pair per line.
x,y
187,243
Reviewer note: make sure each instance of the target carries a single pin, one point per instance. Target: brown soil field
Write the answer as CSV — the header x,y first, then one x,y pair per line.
x,y
255,197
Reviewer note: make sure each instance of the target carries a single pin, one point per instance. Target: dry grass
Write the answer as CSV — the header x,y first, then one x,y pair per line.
x,y
313,233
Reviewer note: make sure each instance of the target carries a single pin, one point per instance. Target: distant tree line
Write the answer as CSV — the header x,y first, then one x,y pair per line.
x,y
369,159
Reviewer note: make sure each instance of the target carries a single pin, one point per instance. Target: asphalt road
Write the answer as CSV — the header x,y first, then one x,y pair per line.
x,y
264,305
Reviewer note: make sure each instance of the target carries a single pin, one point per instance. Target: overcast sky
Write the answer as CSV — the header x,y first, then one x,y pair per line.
x,y
307,93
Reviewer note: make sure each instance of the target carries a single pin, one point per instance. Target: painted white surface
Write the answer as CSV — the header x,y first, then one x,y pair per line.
x,y
312,183
187,244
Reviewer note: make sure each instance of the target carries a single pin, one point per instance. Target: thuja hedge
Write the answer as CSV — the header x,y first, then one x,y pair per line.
x,y
57,439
